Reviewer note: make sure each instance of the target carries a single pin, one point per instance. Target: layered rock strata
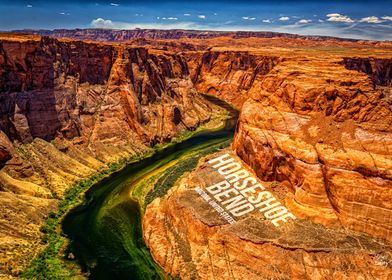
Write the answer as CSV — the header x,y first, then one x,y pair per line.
x,y
325,132
67,108
229,75
191,240
316,116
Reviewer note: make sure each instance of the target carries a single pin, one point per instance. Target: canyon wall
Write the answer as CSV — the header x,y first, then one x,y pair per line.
x,y
191,240
379,70
317,122
67,109
229,74
51,88
317,132
324,132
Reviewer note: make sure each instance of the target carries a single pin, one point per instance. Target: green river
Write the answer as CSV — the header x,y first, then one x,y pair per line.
x,y
105,231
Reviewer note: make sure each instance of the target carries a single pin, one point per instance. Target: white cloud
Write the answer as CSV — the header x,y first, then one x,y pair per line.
x,y
320,20
201,16
387,18
114,4
304,21
62,13
215,14
29,6
371,19
187,15
248,18
102,23
284,18
266,21
172,18
335,17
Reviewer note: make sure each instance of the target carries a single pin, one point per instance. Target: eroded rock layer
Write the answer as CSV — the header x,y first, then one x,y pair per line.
x,y
67,108
229,75
326,132
189,239
315,116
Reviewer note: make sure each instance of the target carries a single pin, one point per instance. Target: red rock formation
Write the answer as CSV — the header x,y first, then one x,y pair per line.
x,y
53,88
308,121
380,70
326,132
6,149
190,240
229,75
70,107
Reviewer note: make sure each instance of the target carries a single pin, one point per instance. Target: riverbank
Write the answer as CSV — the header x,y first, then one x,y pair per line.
x,y
50,263
105,232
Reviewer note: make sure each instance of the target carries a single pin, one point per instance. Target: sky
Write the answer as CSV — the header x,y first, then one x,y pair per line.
x,y
342,18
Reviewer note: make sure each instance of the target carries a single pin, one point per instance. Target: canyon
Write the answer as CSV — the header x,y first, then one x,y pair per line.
x,y
314,125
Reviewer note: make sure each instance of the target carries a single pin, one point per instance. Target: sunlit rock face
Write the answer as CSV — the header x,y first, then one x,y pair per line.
x,y
316,123
96,92
315,118
191,240
67,108
326,133
229,75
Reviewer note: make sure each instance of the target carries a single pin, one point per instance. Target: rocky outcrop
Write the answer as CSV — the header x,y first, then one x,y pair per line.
x,y
52,88
229,74
68,108
6,149
190,240
378,69
325,132
314,120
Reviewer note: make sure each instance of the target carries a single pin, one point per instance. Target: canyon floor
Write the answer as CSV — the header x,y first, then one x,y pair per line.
x,y
315,128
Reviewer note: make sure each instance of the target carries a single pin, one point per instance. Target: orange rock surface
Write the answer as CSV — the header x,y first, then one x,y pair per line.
x,y
315,116
189,239
325,131
70,107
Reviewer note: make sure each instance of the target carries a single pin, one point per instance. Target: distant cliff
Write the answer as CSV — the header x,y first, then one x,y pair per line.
x,y
124,35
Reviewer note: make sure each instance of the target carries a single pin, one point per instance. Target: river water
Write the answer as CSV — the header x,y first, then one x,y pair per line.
x,y
105,231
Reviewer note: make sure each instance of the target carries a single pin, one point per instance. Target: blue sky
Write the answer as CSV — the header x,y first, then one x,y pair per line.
x,y
349,18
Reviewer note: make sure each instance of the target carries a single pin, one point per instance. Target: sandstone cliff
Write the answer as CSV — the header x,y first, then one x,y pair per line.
x,y
189,239
318,124
316,116
325,132
229,74
67,108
